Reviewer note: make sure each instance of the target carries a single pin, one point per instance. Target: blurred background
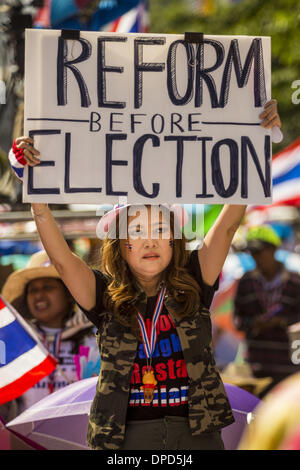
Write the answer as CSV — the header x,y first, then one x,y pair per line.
x,y
279,19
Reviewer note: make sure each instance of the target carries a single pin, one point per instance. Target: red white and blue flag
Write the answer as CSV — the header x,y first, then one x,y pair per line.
x,y
122,16
286,177
134,21
23,359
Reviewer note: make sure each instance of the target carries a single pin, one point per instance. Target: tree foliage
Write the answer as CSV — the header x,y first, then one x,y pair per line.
x,y
279,19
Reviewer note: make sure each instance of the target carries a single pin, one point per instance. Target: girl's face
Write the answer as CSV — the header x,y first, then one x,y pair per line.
x,y
148,250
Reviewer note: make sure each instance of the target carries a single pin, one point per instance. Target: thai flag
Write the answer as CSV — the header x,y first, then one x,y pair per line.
x,y
123,16
23,359
286,177
135,20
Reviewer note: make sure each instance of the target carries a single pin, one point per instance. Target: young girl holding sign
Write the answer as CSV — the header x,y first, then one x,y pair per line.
x,y
158,386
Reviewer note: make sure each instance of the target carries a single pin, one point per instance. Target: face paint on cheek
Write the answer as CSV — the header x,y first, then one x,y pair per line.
x,y
171,243
128,246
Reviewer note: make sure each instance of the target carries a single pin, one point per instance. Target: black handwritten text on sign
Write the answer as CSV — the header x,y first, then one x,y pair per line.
x,y
149,117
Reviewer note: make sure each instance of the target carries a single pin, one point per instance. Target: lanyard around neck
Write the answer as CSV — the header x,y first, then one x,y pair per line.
x,y
149,346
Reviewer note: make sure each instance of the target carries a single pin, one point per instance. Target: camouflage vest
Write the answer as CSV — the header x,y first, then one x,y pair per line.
x,y
209,408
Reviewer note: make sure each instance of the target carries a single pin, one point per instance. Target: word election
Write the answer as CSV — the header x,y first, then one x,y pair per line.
x,y
240,153
197,74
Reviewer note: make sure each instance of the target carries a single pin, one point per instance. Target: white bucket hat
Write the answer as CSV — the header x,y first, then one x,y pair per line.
x,y
180,214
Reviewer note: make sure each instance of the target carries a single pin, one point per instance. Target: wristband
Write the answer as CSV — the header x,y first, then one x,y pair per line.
x,y
17,160
19,153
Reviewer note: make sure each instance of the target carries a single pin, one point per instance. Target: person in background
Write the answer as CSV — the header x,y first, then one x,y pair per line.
x,y
40,296
267,301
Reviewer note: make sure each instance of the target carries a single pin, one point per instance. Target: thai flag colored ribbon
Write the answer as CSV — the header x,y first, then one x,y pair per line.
x,y
19,153
149,346
17,160
23,360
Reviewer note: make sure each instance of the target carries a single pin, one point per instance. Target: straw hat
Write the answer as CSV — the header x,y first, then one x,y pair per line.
x,y
241,376
38,266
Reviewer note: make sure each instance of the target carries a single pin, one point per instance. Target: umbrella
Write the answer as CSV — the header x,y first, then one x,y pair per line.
x,y
243,405
59,421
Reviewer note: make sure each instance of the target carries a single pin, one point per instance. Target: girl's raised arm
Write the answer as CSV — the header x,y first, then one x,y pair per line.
x,y
216,244
74,272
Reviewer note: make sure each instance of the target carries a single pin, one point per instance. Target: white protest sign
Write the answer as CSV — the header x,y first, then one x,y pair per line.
x,y
149,117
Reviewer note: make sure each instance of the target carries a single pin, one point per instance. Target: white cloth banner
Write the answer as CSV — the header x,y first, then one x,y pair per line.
x,y
149,117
